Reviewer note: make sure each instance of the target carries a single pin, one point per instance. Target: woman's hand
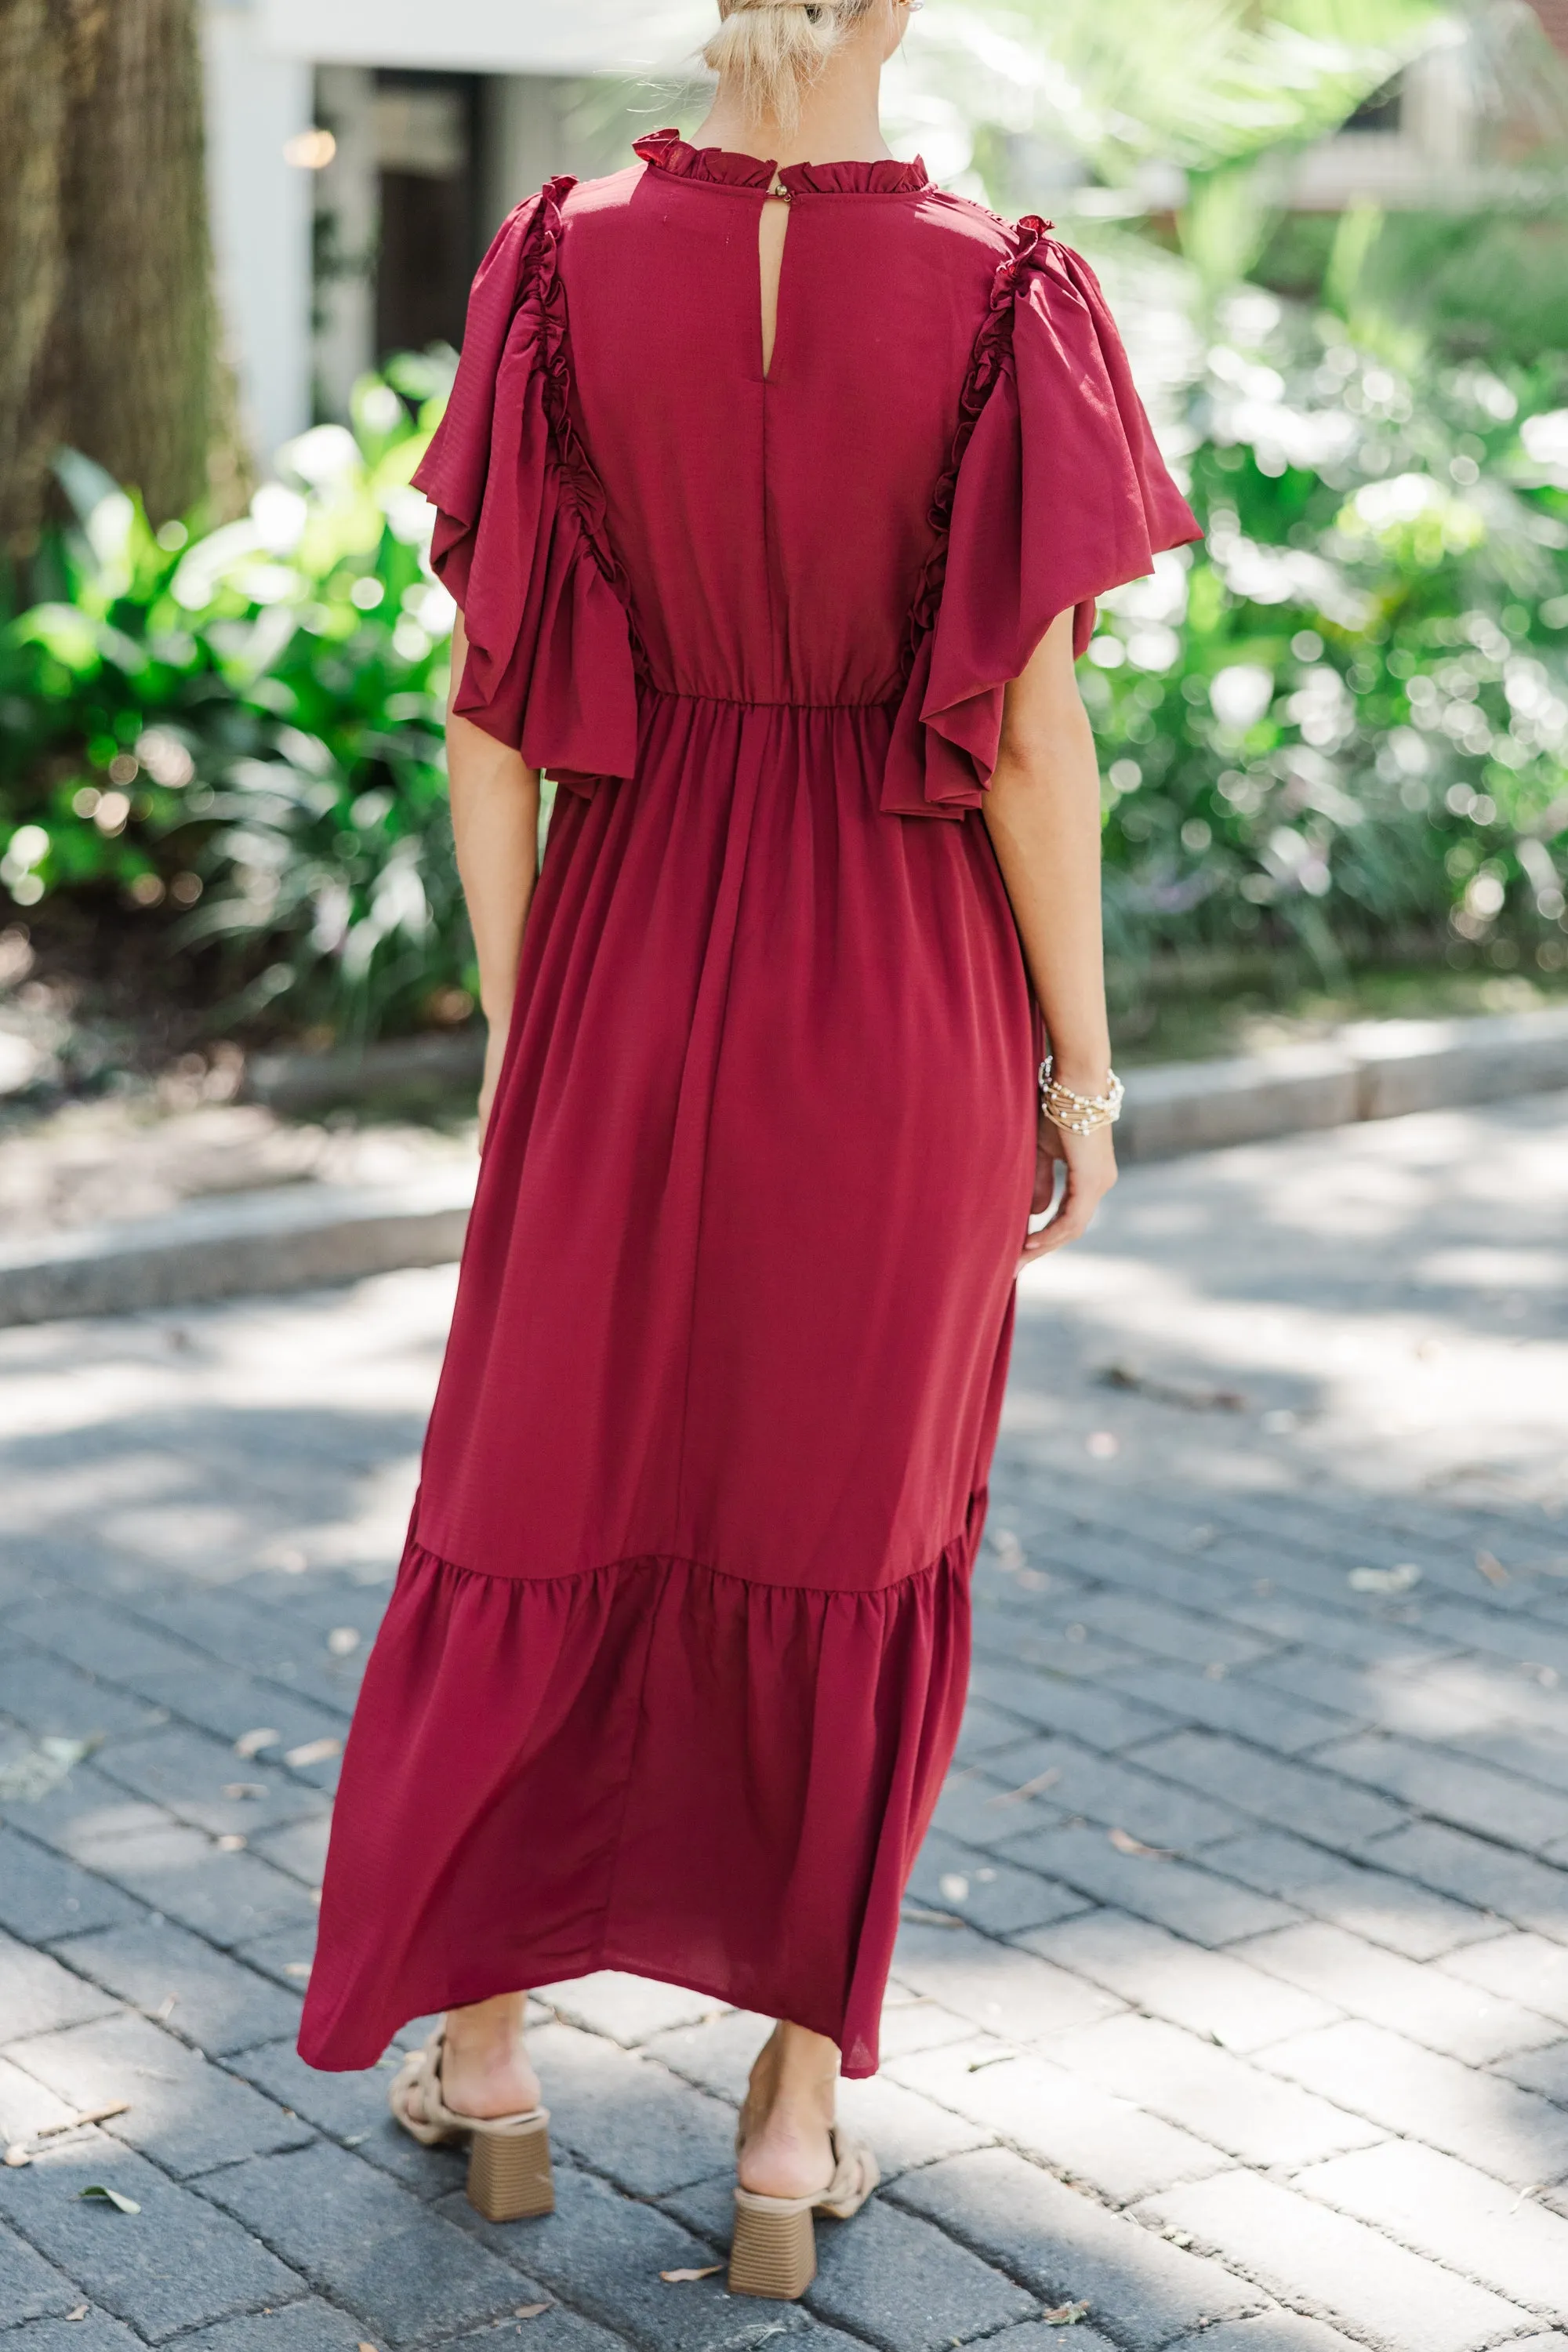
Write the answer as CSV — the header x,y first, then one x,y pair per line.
x,y
1042,812
495,1054
1090,1164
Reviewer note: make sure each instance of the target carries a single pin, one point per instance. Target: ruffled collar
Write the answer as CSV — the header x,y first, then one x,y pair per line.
x,y
669,151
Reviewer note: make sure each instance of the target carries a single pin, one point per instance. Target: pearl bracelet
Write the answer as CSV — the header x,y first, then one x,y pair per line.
x,y
1079,1114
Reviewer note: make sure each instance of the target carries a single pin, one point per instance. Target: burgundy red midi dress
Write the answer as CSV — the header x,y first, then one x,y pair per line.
x,y
677,1653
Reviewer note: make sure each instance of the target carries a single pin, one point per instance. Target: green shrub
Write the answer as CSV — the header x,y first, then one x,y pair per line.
x,y
1342,725
237,737
1338,732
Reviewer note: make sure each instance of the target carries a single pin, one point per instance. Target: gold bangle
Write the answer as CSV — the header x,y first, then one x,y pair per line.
x,y
1079,1114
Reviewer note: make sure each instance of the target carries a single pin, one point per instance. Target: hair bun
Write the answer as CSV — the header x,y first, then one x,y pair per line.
x,y
775,48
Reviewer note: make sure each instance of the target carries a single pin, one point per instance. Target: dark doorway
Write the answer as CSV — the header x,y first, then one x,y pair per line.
x,y
1384,111
427,141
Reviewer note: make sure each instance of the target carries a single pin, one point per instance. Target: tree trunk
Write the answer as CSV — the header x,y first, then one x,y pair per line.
x,y
107,267
33,112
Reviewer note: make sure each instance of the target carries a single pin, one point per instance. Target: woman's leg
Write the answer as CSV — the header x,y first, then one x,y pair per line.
x,y
788,2113
485,2068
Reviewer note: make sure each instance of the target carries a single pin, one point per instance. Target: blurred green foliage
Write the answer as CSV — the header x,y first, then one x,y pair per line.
x,y
236,736
1017,86
1338,731
1336,734
1340,726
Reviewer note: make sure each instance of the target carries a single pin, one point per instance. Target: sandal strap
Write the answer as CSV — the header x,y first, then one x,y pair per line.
x,y
446,2121
856,2173
406,2086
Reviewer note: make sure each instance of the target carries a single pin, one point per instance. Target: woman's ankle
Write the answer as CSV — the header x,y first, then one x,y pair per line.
x,y
487,2025
799,2065
485,2067
788,2115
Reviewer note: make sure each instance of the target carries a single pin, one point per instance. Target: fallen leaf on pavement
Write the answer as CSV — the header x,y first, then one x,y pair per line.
x,y
312,1752
1125,1843
296,1968
251,1743
1195,1397
88,2116
1491,1568
79,2313
111,2197
232,1842
918,1915
529,2310
1046,1779
682,2278
1384,1580
41,1768
235,1790
1067,2315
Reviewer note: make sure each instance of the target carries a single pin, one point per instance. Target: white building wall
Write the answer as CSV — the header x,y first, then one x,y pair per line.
x,y
256,101
534,37
261,60
537,125
1429,159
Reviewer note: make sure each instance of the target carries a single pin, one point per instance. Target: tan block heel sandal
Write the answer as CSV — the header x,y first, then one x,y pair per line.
x,y
509,2156
774,2248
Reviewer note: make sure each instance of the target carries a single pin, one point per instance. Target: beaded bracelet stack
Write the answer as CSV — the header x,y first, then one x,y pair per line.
x,y
1079,1114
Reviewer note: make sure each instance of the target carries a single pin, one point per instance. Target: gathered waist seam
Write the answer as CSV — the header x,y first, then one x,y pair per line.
x,y
646,688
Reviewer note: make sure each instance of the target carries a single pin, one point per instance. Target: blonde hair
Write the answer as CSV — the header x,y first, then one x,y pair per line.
x,y
772,49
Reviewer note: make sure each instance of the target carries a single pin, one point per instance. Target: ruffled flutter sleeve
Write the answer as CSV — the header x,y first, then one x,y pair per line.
x,y
1056,493
520,538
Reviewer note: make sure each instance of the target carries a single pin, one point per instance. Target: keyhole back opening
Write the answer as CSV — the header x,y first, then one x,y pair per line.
x,y
773,228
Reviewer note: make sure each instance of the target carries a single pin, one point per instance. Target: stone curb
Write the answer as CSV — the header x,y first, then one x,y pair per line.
x,y
1371,1070
304,1082
292,1238
241,1243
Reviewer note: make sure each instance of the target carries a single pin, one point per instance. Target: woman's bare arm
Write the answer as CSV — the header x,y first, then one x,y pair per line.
x,y
1043,814
495,823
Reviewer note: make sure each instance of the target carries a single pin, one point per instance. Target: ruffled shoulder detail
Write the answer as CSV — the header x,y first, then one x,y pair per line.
x,y
520,536
1055,492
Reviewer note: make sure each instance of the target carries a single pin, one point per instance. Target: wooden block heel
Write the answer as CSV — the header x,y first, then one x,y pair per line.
x,y
509,2156
509,2178
774,2248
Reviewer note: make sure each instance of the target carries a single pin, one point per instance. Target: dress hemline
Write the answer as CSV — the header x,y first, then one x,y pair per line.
x,y
645,1768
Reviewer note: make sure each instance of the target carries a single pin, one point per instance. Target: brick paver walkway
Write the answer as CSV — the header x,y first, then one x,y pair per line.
x,y
1232,1997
